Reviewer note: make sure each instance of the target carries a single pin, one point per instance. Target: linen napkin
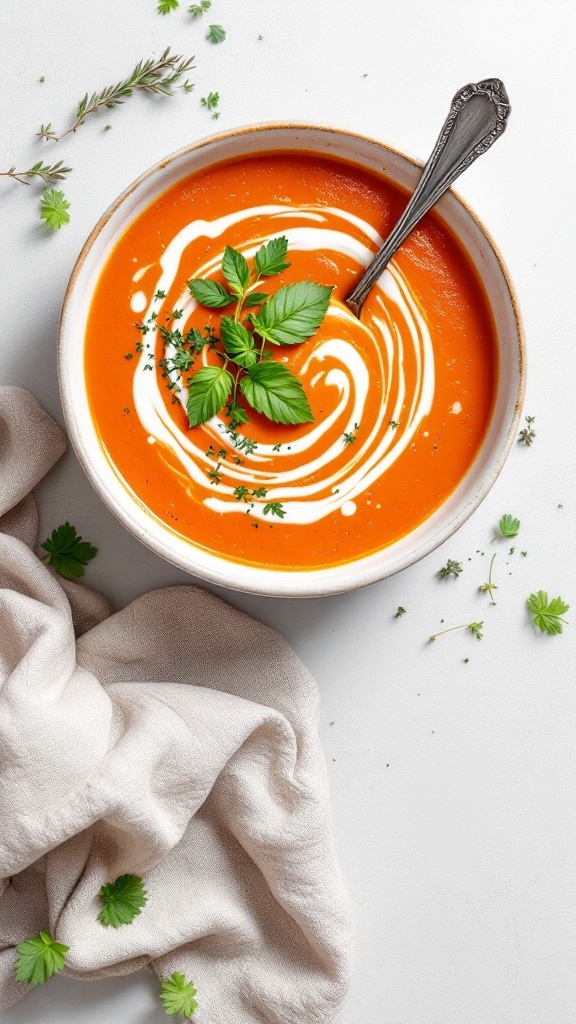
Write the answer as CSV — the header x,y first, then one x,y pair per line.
x,y
176,740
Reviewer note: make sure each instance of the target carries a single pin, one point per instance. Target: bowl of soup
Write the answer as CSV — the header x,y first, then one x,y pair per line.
x,y
413,407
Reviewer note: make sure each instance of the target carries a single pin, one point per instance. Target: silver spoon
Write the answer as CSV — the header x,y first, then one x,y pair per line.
x,y
478,115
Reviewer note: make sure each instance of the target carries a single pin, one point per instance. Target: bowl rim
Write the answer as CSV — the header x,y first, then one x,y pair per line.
x,y
329,585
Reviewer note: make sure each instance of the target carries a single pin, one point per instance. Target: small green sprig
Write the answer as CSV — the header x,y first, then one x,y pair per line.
x,y
488,588
527,434
474,627
160,76
350,437
165,6
547,614
67,552
39,959
288,317
210,102
400,612
54,209
178,995
451,568
44,172
197,10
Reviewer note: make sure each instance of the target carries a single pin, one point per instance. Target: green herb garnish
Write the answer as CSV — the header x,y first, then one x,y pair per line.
x,y
211,101
288,317
123,901
508,526
349,438
547,614
487,588
45,172
159,76
67,552
451,568
275,508
399,612
54,209
196,10
216,34
165,6
39,958
474,627
527,434
178,995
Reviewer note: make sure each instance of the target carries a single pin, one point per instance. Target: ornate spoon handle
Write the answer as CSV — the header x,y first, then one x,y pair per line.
x,y
478,115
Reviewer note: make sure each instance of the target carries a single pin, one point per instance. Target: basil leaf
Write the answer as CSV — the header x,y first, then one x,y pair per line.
x,y
238,342
256,298
210,293
293,313
235,270
275,391
209,389
270,258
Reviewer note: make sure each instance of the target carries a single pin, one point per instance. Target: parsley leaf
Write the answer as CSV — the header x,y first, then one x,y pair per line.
x,y
235,269
293,314
39,958
210,293
271,258
276,508
273,390
177,995
165,6
216,34
210,101
53,209
509,527
209,389
547,614
196,10
238,342
68,553
123,901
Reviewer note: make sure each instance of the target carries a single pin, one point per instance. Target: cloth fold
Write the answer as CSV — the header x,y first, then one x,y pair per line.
x,y
177,740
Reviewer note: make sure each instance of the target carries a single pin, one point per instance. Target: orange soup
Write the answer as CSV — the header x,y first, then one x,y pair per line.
x,y
401,399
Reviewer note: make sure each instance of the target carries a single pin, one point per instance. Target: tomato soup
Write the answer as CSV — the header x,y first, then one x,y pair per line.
x,y
401,398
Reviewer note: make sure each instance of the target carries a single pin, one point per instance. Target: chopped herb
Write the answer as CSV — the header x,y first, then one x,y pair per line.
x,y
39,959
394,425
210,101
508,526
165,6
276,447
474,627
487,588
275,508
400,611
466,660
196,10
42,78
214,474
547,614
259,492
451,568
240,493
524,553
67,552
178,995
222,453
210,452
216,34
123,901
54,209
527,434
160,295
349,438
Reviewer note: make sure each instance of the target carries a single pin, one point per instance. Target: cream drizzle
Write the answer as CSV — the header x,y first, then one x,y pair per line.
x,y
378,445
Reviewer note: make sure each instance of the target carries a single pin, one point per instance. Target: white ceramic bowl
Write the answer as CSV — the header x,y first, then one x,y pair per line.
x,y
438,527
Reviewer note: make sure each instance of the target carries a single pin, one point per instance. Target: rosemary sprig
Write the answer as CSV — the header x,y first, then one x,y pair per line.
x,y
159,76
56,172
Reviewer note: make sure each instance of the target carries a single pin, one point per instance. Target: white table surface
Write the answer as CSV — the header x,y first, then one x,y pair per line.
x,y
452,783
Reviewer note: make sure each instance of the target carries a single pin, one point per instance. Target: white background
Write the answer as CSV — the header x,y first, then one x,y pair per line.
x,y
452,783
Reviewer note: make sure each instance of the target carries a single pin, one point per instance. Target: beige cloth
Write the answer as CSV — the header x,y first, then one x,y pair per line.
x,y
177,740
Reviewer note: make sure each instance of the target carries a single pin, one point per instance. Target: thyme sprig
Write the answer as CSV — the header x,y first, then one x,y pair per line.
x,y
160,76
474,627
44,172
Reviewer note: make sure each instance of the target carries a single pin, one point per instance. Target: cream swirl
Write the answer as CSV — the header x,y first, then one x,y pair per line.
x,y
312,479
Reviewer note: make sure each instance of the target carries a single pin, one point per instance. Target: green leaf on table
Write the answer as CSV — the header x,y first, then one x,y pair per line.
x,y
235,269
209,389
547,614
177,995
123,901
509,526
273,390
271,258
210,293
216,34
54,209
39,958
68,553
238,342
165,6
293,313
